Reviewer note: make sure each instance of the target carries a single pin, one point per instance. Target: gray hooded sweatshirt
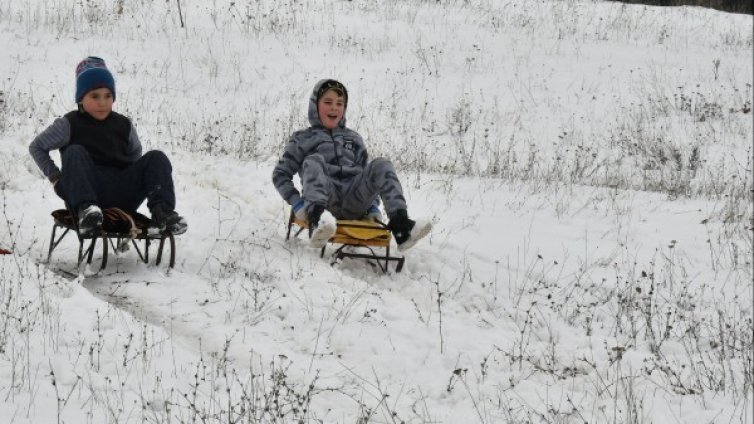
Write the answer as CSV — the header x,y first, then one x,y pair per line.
x,y
342,149
334,168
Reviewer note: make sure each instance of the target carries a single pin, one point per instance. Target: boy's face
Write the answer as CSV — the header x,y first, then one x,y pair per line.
x,y
98,103
331,107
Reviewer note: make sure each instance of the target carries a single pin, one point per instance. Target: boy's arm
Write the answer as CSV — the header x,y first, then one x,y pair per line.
x,y
53,137
134,145
286,168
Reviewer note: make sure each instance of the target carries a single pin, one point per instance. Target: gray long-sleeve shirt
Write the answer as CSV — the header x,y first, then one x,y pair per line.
x,y
58,135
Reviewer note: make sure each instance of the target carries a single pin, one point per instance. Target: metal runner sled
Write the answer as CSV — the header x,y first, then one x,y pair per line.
x,y
355,233
118,228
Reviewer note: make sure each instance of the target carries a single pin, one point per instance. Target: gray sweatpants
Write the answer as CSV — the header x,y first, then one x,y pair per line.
x,y
349,197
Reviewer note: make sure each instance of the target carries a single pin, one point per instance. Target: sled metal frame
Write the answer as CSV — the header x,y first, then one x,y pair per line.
x,y
344,240
114,239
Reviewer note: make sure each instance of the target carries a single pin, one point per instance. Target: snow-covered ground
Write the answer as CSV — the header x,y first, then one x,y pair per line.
x,y
587,165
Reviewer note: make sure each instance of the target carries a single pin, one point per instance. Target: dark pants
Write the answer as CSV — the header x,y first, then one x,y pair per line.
x,y
83,182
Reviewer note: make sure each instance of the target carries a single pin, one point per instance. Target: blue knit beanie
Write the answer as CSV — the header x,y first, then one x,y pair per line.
x,y
91,73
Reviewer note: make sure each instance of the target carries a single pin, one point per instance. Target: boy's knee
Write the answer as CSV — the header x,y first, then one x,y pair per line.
x,y
156,156
381,167
316,161
382,163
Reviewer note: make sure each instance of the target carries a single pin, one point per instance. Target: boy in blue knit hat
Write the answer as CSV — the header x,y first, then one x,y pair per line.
x,y
337,177
102,164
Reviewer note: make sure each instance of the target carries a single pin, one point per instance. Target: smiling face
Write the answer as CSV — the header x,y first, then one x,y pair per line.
x,y
331,107
98,103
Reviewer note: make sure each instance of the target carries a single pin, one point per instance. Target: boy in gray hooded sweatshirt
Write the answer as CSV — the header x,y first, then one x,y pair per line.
x,y
337,177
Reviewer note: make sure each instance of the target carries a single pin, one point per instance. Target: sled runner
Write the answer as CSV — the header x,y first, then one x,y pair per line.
x,y
118,228
355,234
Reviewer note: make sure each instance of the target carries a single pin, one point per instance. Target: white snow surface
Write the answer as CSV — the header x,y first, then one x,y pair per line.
x,y
584,265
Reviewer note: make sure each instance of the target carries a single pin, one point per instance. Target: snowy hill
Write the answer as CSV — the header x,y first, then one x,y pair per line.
x,y
587,165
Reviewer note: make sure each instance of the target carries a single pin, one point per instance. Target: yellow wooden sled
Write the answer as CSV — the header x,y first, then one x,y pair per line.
x,y
355,233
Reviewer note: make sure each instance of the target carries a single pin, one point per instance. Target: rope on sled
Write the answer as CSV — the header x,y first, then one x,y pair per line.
x,y
117,214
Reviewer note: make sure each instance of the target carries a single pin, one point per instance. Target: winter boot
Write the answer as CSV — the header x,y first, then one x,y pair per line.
x,y
166,220
322,226
407,231
90,219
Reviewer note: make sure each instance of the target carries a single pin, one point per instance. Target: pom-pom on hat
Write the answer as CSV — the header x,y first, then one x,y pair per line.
x,y
91,73
333,85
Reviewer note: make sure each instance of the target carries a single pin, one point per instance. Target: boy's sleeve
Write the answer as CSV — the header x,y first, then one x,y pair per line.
x,y
286,168
134,145
53,137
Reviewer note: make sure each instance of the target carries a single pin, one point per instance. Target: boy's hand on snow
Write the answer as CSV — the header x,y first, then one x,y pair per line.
x,y
374,214
299,210
54,178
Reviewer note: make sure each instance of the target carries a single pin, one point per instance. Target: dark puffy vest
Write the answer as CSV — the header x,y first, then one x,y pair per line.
x,y
106,141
